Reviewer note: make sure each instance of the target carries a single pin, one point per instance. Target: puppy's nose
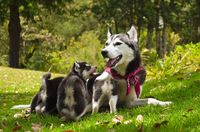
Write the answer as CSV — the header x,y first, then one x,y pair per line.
x,y
104,53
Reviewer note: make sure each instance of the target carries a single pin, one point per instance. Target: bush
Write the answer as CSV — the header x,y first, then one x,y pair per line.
x,y
86,48
183,60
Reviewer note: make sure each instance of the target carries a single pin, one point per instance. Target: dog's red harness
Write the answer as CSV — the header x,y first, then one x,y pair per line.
x,y
130,77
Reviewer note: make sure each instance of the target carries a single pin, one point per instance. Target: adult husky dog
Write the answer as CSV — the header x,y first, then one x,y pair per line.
x,y
124,75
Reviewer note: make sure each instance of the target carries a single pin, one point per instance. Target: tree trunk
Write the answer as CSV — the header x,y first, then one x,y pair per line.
x,y
131,13
149,35
14,30
116,25
163,44
158,39
158,43
198,21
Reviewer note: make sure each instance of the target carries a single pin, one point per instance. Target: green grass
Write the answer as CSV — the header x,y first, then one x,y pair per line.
x,y
18,87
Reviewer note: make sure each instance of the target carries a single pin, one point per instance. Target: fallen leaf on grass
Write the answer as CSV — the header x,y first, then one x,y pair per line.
x,y
117,119
36,127
16,127
4,124
158,125
62,125
139,119
190,110
18,115
1,130
51,126
23,114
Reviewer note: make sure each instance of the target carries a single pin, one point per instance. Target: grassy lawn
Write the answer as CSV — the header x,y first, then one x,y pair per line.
x,y
19,86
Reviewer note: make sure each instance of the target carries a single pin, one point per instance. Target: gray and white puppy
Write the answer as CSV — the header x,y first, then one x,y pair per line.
x,y
74,99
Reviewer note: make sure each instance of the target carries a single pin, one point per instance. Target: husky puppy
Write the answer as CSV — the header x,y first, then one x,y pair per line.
x,y
74,99
44,102
124,74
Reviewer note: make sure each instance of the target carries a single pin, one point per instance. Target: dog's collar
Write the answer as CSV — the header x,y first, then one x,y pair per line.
x,y
129,77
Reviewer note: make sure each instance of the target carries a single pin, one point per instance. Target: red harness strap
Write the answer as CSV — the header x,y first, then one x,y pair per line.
x,y
130,77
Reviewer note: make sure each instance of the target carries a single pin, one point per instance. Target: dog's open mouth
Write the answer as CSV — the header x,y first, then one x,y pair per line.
x,y
113,61
92,71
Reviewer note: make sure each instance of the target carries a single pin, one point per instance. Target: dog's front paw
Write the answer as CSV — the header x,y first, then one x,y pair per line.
x,y
95,107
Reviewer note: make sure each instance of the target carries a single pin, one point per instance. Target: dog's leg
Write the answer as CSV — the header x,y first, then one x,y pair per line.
x,y
112,103
87,109
96,99
95,106
38,108
150,101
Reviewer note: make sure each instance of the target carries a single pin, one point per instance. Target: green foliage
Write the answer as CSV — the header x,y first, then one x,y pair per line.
x,y
4,44
183,60
149,57
85,48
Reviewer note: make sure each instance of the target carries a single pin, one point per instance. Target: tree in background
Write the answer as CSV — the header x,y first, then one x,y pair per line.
x,y
28,8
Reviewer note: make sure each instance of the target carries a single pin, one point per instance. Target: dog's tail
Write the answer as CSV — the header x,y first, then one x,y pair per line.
x,y
46,76
21,106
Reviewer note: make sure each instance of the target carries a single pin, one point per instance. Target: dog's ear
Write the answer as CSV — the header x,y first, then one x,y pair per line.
x,y
76,66
109,33
132,33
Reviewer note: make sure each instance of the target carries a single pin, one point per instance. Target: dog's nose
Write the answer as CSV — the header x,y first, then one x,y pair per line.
x,y
104,53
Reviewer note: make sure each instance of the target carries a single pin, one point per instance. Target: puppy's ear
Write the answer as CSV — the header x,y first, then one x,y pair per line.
x,y
132,33
76,66
109,33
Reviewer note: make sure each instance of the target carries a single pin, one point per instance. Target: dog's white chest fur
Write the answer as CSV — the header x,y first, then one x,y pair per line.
x,y
107,87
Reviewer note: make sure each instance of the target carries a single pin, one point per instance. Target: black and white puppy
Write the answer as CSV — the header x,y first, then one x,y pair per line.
x,y
44,102
74,99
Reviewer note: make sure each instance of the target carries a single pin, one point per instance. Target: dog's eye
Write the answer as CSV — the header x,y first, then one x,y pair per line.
x,y
118,43
88,68
107,44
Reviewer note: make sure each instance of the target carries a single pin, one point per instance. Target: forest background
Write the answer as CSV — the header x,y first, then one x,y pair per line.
x,y
49,35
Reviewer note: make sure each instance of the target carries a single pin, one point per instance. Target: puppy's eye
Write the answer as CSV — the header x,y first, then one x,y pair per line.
x,y
88,68
117,43
107,44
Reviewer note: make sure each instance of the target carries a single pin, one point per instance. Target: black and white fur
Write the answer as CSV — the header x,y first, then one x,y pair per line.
x,y
122,52
74,99
44,102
